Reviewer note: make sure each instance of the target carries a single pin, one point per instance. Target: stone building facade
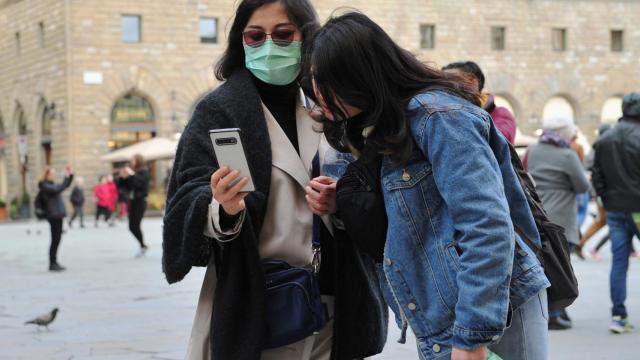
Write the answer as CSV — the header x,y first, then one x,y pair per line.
x,y
74,84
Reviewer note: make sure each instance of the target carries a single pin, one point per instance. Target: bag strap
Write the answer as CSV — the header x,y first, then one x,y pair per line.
x,y
317,221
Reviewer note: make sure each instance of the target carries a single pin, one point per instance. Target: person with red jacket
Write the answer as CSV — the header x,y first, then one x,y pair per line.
x,y
104,199
113,197
502,117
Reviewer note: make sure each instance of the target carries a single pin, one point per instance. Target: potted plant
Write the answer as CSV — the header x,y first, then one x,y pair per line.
x,y
25,206
3,210
14,208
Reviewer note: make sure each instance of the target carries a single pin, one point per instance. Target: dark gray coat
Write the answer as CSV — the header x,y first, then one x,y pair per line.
x,y
238,318
53,197
559,177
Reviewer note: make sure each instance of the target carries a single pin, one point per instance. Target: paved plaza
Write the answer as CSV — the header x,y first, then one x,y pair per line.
x,y
113,306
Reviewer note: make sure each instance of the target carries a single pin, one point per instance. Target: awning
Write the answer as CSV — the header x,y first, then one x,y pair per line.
x,y
153,149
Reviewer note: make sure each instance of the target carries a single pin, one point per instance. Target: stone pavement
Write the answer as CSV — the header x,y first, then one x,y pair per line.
x,y
113,306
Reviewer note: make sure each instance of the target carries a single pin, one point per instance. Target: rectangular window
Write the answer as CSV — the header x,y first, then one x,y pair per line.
x,y
18,45
617,40
130,28
41,37
208,30
498,37
559,39
427,36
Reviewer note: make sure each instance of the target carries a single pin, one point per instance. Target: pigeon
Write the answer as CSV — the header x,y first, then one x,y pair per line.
x,y
44,320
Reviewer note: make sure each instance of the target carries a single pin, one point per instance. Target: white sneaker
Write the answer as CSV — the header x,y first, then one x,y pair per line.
x,y
620,325
142,252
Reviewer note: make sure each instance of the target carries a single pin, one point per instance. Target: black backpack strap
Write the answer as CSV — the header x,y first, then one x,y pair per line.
x,y
536,250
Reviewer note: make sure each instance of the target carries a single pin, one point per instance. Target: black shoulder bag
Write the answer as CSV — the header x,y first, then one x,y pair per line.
x,y
294,308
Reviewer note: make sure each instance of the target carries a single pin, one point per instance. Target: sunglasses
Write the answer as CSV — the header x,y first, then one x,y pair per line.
x,y
280,37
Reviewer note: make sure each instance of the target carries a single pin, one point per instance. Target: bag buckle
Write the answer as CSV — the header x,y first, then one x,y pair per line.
x,y
317,258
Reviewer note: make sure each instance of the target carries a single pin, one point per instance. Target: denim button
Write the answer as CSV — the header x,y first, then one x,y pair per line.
x,y
496,338
411,306
436,348
406,176
388,261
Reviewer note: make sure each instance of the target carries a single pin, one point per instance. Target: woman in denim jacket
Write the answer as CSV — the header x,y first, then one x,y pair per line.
x,y
455,269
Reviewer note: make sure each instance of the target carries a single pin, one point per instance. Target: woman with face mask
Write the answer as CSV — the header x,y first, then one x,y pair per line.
x,y
210,223
454,267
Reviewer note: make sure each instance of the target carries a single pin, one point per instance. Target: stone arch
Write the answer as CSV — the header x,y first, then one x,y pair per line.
x,y
611,110
133,118
560,105
137,79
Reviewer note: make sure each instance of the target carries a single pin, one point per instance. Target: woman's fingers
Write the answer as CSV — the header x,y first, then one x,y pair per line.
x,y
314,210
219,174
323,185
316,205
225,182
313,195
235,189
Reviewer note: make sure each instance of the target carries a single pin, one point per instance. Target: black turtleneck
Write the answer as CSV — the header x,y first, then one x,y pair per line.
x,y
281,102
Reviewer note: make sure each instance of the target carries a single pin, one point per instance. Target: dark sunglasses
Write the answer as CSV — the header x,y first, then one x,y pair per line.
x,y
280,37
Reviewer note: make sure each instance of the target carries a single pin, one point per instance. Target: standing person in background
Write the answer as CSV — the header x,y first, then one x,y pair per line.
x,y
601,218
77,200
113,198
616,179
559,175
582,200
502,117
135,179
102,196
123,202
55,210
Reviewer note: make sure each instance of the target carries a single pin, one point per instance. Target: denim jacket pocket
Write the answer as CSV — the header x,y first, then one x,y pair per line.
x,y
407,177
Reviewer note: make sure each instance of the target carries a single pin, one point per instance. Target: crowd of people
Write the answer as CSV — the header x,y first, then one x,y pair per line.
x,y
130,190
412,194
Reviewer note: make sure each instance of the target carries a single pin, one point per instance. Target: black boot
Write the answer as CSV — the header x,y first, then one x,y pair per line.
x,y
54,266
558,323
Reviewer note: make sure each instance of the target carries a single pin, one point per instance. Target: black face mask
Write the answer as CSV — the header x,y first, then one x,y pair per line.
x,y
353,130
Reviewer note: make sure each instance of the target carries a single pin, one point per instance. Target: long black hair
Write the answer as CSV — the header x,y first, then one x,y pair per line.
x,y
300,12
355,62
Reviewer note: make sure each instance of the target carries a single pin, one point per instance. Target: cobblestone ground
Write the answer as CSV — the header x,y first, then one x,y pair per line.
x,y
113,306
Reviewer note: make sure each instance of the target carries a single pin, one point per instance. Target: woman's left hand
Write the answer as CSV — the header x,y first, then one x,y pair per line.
x,y
321,195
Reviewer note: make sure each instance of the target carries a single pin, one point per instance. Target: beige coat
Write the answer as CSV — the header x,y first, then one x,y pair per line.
x,y
287,230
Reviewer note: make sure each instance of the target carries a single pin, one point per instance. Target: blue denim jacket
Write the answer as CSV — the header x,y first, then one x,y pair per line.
x,y
454,267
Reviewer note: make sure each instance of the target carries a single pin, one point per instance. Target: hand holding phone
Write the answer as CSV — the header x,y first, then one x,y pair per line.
x,y
228,195
229,151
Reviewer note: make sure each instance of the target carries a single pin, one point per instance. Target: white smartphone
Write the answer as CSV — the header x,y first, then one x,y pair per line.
x,y
228,149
